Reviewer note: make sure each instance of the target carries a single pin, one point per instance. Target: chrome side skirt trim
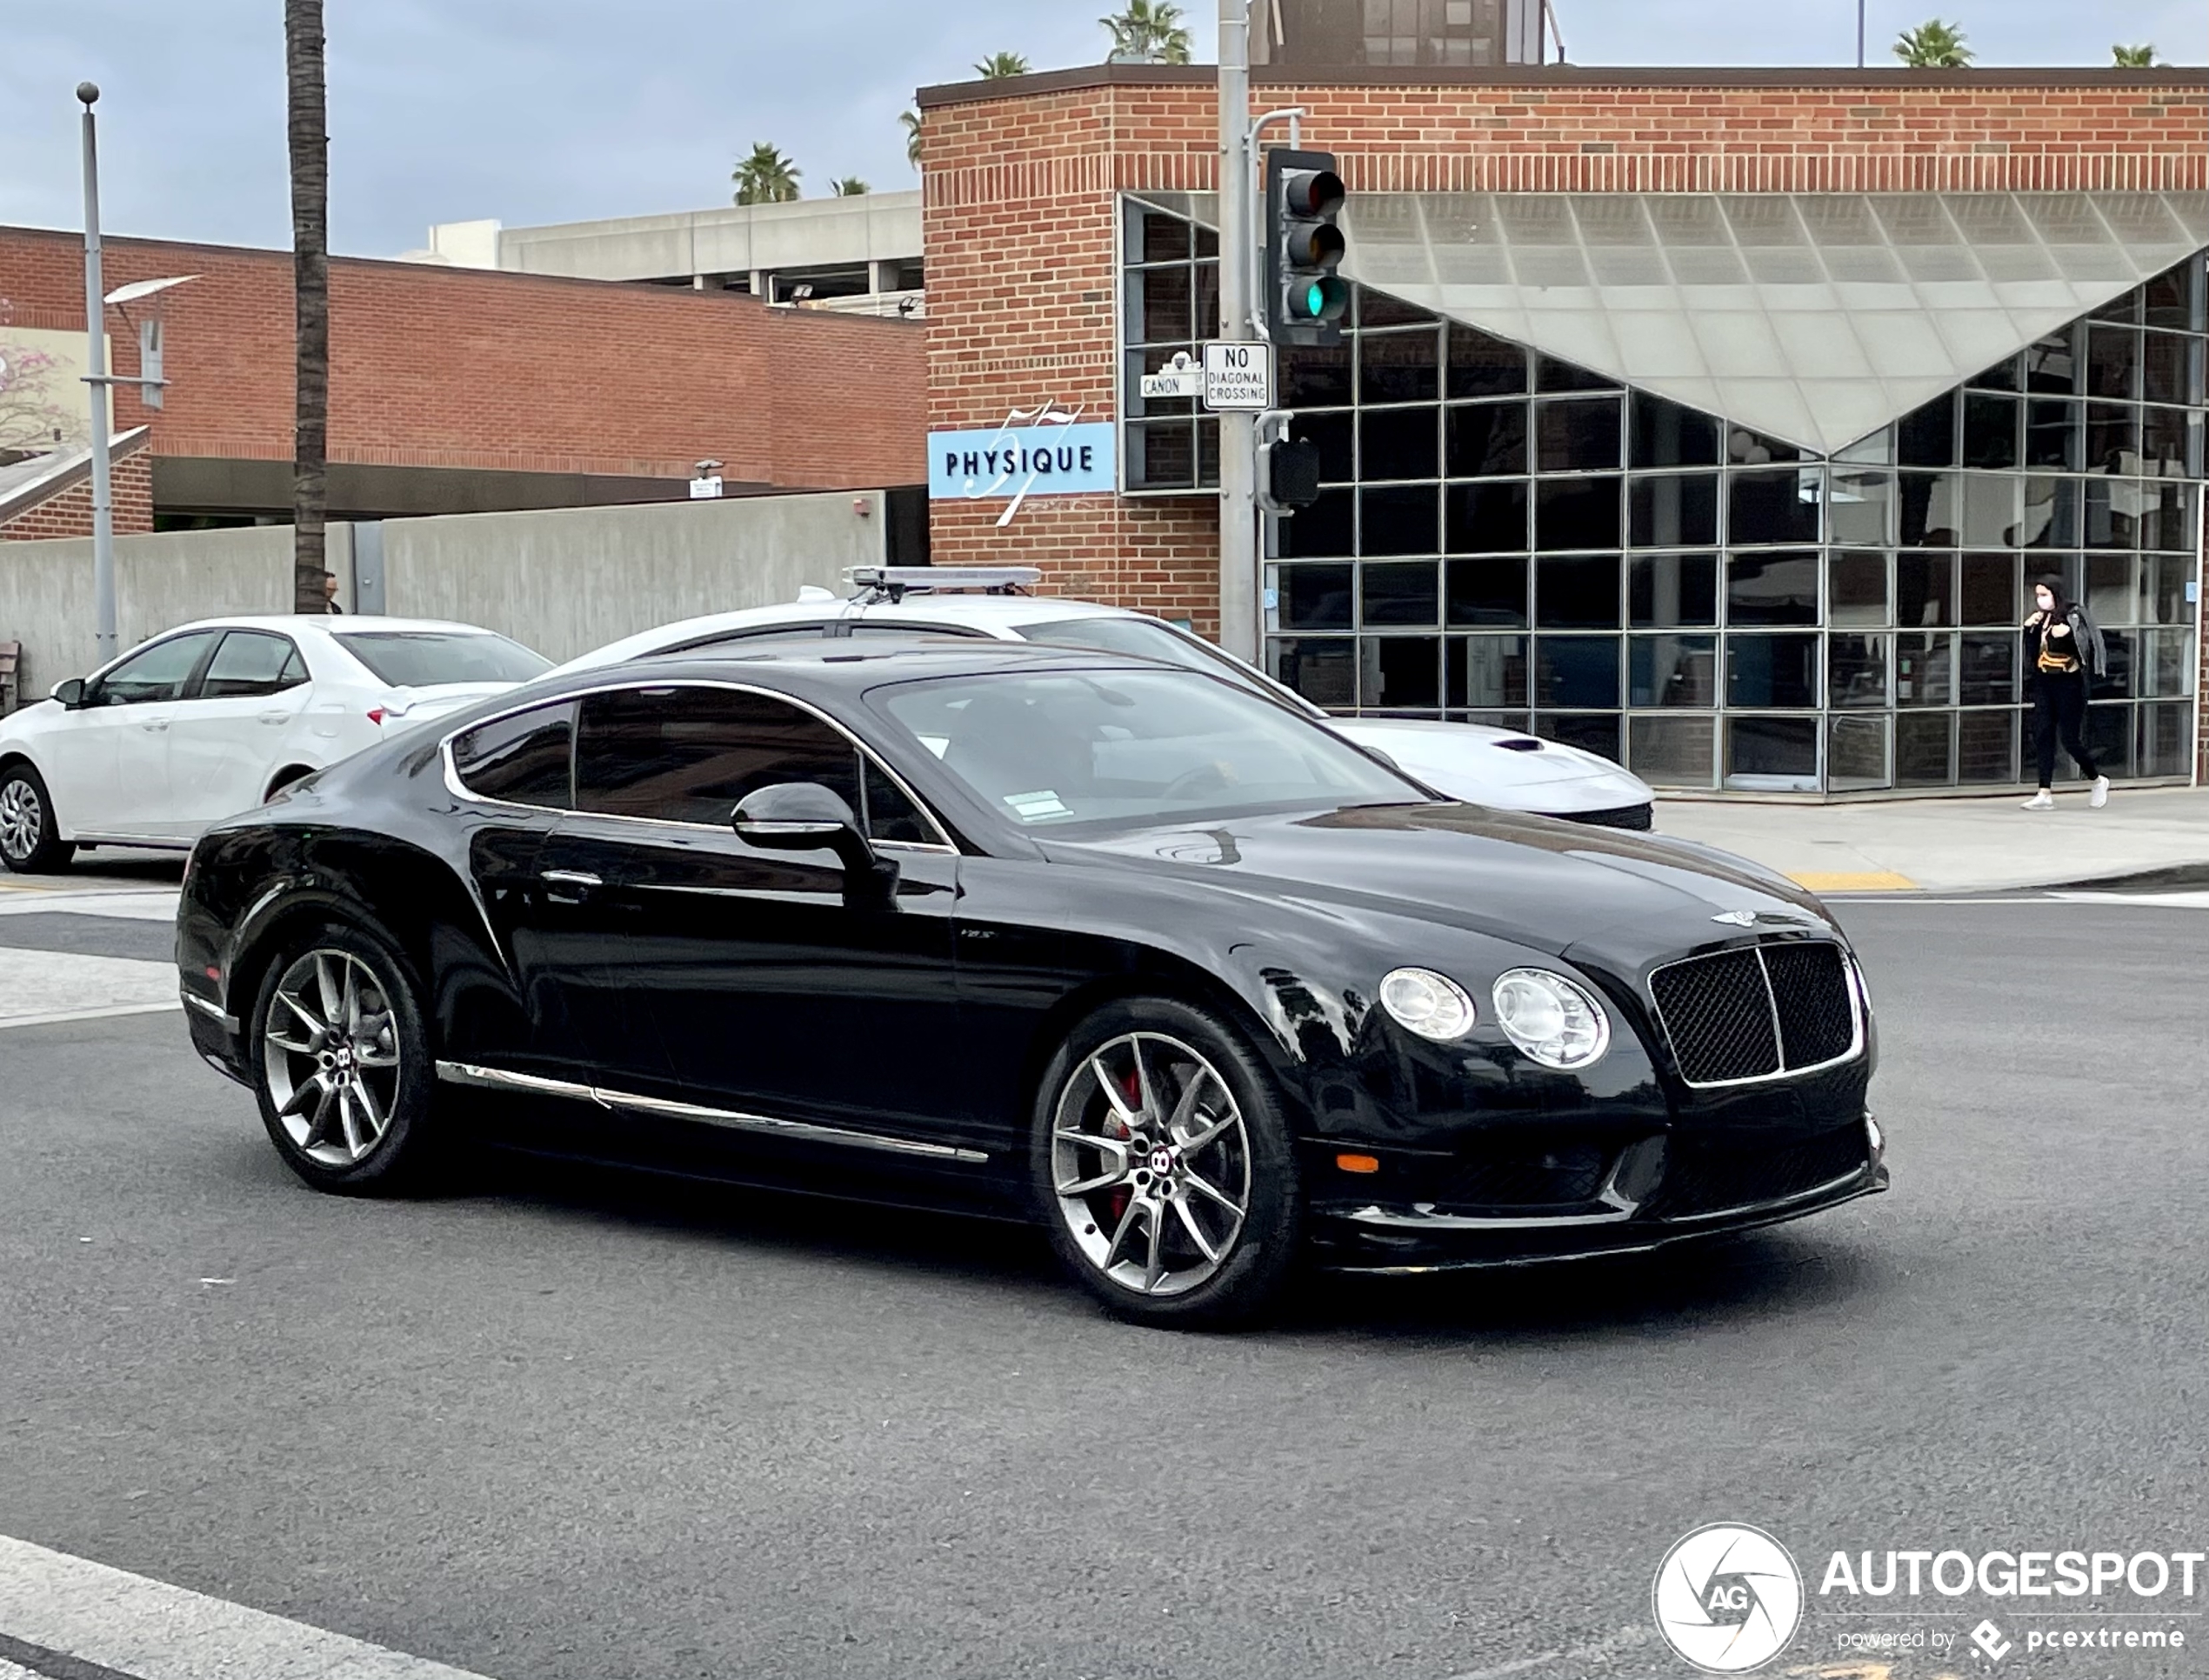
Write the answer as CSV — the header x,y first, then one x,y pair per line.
x,y
211,1010
467,1073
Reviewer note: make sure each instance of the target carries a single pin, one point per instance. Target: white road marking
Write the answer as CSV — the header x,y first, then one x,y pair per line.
x,y
154,1631
2171,900
39,988
137,904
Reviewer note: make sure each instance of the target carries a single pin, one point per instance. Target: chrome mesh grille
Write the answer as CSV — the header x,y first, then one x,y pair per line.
x,y
1756,1013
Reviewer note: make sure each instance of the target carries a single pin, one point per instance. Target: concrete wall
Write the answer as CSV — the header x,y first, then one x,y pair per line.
x,y
563,582
728,239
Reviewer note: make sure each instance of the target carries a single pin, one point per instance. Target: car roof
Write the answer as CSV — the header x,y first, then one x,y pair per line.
x,y
291,624
808,663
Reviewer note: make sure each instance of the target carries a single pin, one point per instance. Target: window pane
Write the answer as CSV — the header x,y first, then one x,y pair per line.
x,y
1991,431
1487,518
1924,589
1774,507
1674,512
2163,443
1402,673
1399,443
1598,734
1336,436
2109,736
1164,238
1397,367
1314,598
1488,672
2113,361
1863,508
1923,750
1924,669
2120,682
2053,364
2112,438
2109,588
1857,593
1488,592
1577,513
2051,512
1487,440
1403,595
251,663
1577,437
1667,435
1576,593
1771,671
1673,671
1324,531
1744,448
1672,752
1926,437
1377,308
1324,669
2166,740
1405,521
1991,589
2164,594
2112,513
1162,454
1482,366
1577,671
523,759
1856,754
2169,297
1777,754
1665,589
2051,435
2168,520
1550,374
2164,373
1989,674
1772,589
889,814
1856,670
1165,307
1316,377
685,755
159,673
1986,748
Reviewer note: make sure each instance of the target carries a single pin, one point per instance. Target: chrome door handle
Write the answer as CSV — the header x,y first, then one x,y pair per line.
x,y
275,717
154,724
570,878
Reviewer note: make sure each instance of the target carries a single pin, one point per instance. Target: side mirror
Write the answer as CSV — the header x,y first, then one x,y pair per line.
x,y
70,694
805,817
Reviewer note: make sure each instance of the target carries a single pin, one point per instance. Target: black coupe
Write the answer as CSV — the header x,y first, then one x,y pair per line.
x,y
1192,982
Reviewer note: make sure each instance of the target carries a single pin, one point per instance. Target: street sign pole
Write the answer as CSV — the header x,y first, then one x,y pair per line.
x,y
1238,616
95,361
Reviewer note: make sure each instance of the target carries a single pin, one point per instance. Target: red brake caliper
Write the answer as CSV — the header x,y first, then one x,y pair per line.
x,y
1131,1090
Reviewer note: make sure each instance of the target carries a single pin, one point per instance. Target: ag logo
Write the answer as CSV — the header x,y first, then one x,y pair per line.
x,y
1728,1598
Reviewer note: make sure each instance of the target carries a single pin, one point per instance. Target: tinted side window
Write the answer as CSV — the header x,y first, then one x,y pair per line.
x,y
692,755
251,663
523,759
891,816
158,673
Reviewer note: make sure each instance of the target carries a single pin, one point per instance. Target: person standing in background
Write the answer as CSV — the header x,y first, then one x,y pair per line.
x,y
2064,652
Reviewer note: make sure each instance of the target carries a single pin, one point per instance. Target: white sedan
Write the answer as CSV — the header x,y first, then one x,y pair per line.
x,y
1504,767
213,718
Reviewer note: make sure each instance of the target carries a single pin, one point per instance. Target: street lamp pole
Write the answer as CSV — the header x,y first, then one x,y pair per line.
x,y
96,362
1238,616
1859,34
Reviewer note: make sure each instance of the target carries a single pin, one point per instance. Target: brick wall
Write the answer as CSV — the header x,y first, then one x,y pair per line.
x,y
439,367
69,511
1021,178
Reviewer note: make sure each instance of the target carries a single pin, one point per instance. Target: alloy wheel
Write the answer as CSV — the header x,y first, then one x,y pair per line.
x,y
1151,1163
331,1056
22,819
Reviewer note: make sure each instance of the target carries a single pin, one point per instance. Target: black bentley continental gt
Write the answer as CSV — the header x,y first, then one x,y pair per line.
x,y
1130,952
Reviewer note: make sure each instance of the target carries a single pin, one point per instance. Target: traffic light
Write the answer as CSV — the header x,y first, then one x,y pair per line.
x,y
1288,474
1306,299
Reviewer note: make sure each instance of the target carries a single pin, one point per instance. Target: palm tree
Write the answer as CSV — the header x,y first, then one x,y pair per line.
x,y
766,176
912,120
999,65
2133,57
1148,32
308,130
850,187
1934,45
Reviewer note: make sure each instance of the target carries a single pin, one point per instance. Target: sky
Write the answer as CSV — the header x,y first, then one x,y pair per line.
x,y
555,111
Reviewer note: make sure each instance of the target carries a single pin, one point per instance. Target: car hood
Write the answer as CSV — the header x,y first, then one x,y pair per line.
x,y
1472,762
1616,899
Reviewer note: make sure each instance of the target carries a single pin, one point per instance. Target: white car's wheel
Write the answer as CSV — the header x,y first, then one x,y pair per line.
x,y
30,840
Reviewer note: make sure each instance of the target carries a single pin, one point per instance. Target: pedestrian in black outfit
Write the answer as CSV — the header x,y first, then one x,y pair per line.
x,y
2063,654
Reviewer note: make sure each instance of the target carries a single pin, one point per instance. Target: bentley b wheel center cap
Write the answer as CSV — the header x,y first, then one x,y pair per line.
x,y
1162,1162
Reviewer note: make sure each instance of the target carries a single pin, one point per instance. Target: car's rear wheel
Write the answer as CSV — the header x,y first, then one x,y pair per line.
x,y
1162,1167
29,841
342,1063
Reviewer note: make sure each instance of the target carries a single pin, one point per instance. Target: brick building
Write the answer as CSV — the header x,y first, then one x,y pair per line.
x,y
455,391
1716,420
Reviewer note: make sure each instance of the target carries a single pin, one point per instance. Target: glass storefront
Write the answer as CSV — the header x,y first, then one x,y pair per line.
x,y
1507,537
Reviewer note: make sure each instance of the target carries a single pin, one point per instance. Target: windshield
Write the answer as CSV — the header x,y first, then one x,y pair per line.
x,y
1132,748
423,659
1153,640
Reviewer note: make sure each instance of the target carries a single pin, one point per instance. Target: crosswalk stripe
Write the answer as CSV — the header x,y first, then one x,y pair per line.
x,y
151,1631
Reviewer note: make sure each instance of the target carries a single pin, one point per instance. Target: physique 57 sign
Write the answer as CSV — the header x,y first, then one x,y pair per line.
x,y
1012,463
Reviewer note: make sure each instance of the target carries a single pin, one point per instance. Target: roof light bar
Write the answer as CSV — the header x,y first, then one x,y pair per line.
x,y
896,581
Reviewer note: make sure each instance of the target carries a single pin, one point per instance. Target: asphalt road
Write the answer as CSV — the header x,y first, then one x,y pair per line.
x,y
567,1426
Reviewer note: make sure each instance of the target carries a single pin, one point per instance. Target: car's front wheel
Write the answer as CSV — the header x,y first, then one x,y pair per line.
x,y
29,841
342,1063
1162,1167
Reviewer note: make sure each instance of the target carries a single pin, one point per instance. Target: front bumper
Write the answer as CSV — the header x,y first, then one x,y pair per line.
x,y
1648,1195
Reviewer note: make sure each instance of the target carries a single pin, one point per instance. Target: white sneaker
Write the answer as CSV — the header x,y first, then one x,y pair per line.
x,y
2100,797
2041,801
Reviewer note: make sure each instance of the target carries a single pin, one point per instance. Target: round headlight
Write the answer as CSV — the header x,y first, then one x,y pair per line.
x,y
1555,1021
1432,1005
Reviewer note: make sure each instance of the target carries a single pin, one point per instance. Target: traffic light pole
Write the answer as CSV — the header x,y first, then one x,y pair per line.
x,y
1238,558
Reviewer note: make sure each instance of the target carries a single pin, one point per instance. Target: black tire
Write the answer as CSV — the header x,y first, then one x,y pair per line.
x,y
337,1151
1191,1056
28,834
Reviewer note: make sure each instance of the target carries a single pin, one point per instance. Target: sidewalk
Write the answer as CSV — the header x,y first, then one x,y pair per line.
x,y
1956,845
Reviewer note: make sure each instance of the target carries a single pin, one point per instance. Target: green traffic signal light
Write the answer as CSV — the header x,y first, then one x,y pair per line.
x,y
1326,299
